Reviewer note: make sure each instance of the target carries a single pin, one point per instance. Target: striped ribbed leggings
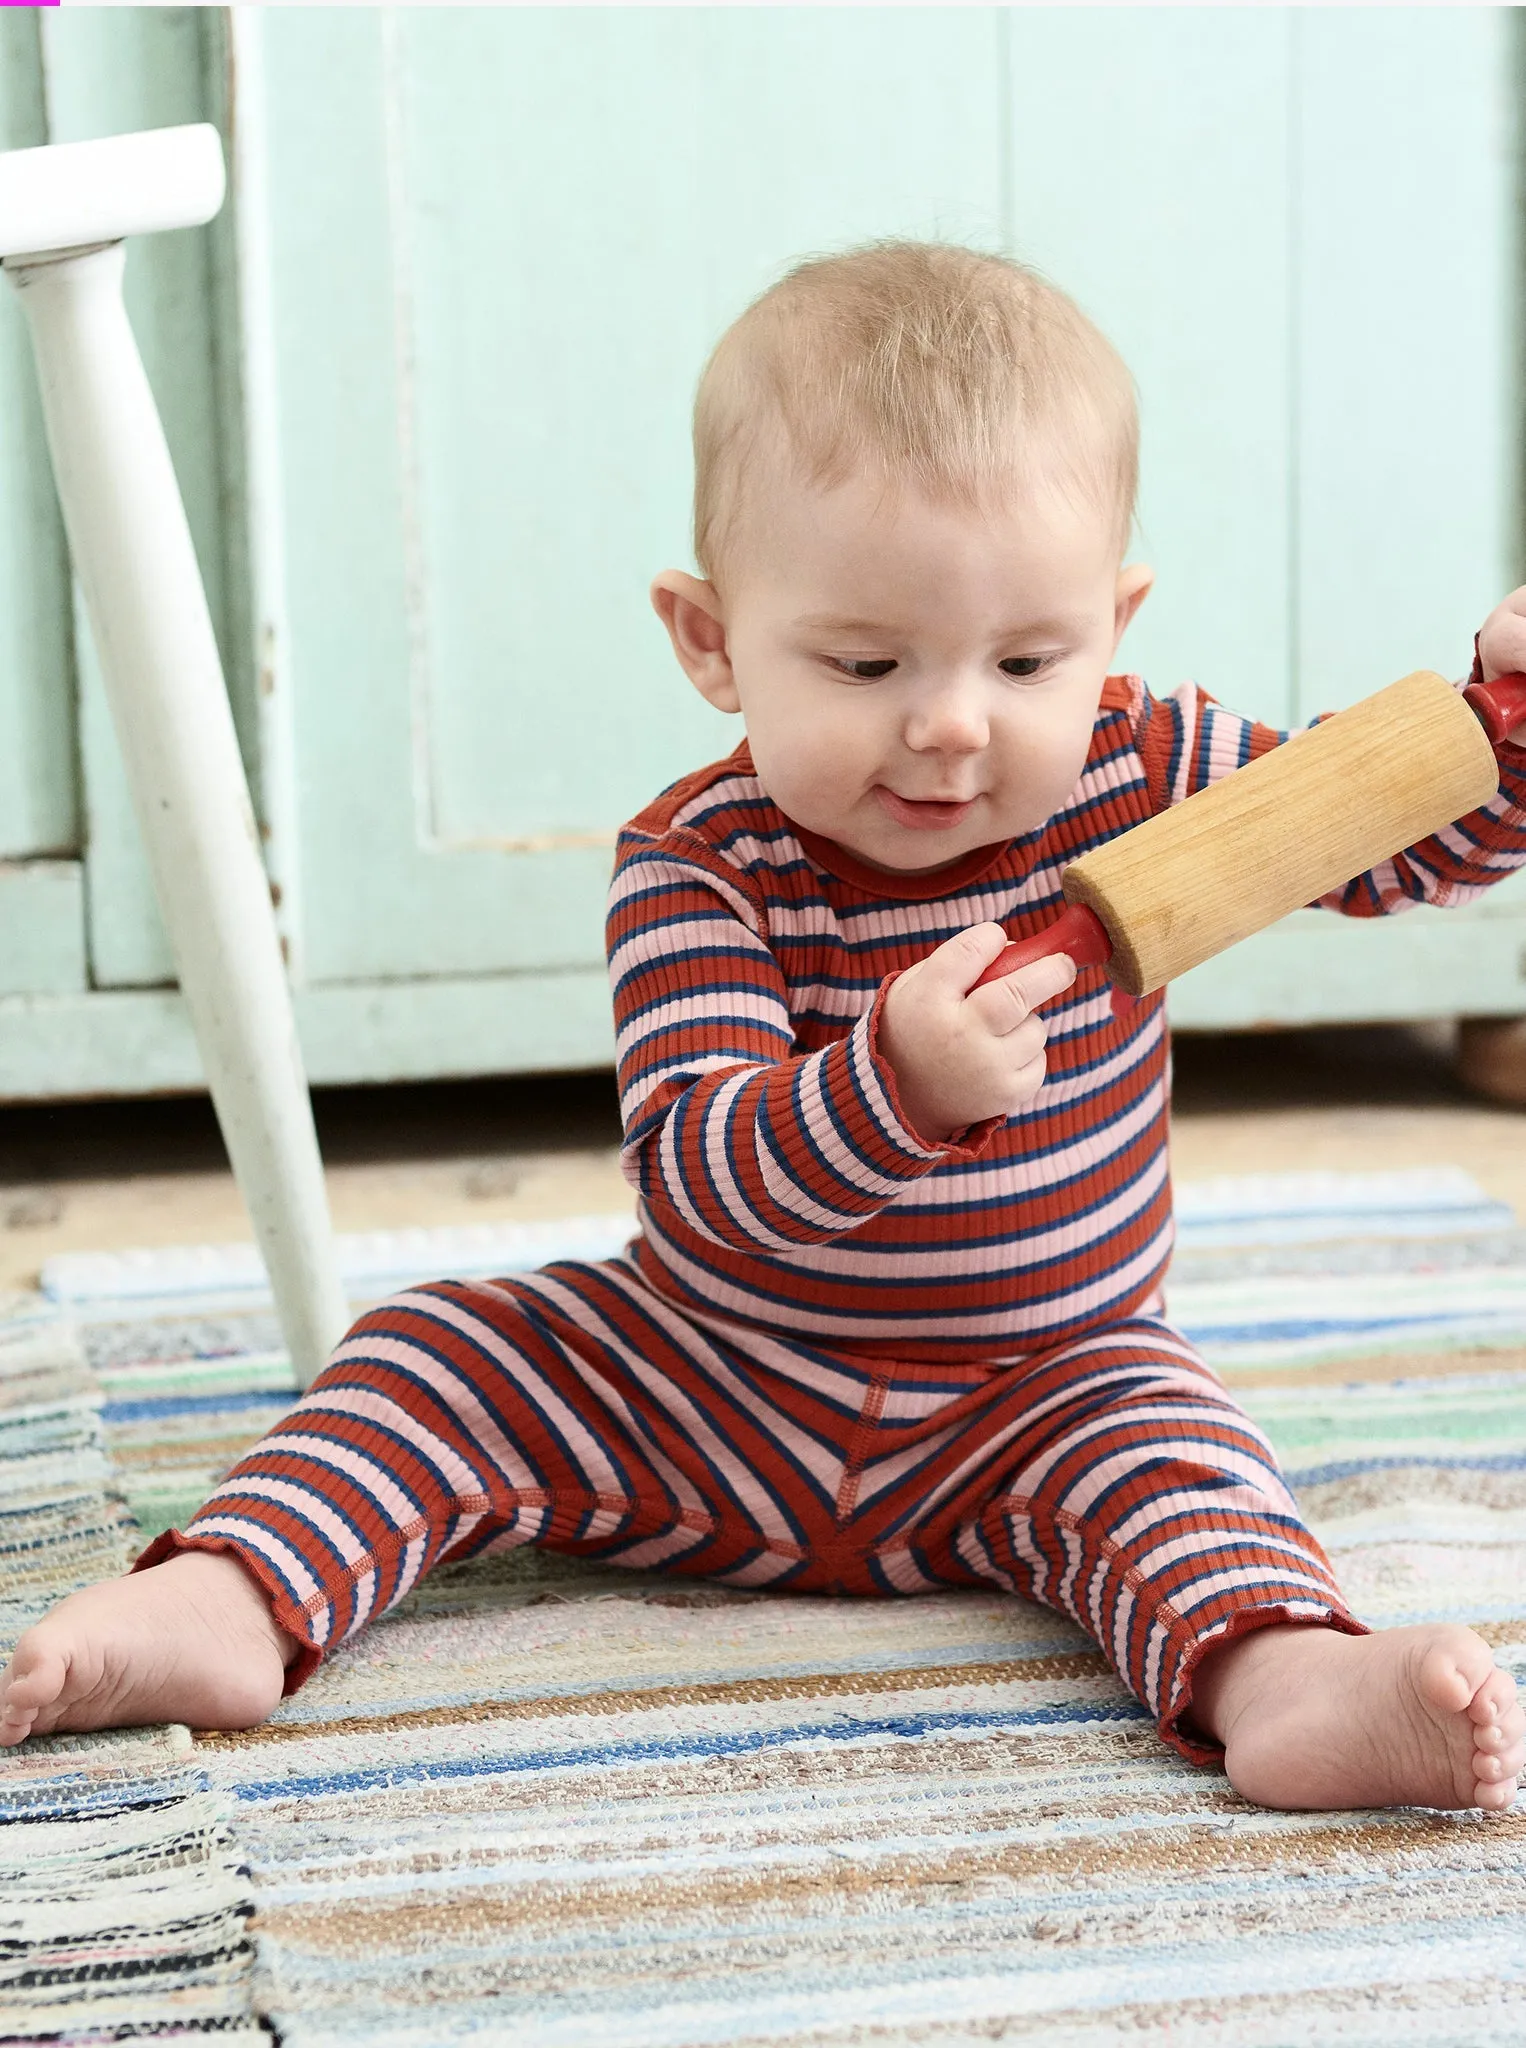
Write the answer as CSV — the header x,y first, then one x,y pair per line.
x,y
1111,1477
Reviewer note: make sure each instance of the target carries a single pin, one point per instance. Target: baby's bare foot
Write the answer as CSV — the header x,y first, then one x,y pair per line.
x,y
192,1640
1407,1717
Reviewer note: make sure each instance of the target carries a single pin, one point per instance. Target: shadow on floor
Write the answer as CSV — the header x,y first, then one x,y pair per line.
x,y
356,1126
1353,1066
1264,1071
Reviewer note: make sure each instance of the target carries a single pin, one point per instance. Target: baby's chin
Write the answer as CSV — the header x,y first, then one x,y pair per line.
x,y
915,853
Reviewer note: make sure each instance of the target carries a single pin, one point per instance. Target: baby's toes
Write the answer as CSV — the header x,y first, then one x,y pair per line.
x,y
1499,1760
1499,1754
1495,1797
1494,1699
1490,1769
34,1680
1505,1733
36,1675
15,1723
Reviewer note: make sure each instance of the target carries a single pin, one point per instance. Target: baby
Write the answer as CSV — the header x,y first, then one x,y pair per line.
x,y
893,1320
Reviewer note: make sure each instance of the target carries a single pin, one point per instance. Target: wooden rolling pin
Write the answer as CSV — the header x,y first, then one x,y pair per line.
x,y
1327,804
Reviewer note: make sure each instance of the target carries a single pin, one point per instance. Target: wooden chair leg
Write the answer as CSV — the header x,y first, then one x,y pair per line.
x,y
148,613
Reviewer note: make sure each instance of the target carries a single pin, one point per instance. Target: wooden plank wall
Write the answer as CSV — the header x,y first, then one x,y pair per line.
x,y
494,245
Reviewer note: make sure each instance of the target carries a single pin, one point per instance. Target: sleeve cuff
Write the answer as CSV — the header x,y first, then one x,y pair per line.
x,y
288,1616
966,1144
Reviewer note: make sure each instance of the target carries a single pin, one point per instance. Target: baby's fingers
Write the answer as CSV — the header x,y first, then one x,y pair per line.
x,y
1502,641
1002,1006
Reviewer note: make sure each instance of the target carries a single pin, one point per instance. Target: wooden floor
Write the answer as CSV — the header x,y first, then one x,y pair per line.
x,y
93,1176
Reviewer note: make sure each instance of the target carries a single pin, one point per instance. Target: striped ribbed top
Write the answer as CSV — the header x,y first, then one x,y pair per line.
x,y
780,1185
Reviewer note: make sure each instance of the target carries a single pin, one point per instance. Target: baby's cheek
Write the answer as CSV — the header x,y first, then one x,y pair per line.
x,y
810,766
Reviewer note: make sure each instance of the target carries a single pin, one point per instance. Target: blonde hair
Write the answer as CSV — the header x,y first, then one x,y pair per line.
x,y
924,363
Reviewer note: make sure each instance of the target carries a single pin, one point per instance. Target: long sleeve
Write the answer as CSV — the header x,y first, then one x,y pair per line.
x,y
782,1186
1188,741
727,1127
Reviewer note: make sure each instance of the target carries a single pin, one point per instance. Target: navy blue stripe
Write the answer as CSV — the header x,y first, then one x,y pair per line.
x,y
652,1430
195,1404
1349,1468
905,1727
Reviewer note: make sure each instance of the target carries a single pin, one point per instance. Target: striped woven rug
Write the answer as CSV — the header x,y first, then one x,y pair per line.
x,y
573,1808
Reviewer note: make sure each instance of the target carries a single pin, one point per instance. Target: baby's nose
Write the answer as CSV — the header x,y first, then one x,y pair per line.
x,y
948,719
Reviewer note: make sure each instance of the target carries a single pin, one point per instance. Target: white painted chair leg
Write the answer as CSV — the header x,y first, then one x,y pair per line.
x,y
137,568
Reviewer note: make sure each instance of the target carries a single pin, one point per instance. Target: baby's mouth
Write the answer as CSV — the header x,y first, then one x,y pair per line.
x,y
922,815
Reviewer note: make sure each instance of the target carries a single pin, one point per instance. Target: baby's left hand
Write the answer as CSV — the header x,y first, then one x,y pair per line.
x,y
1502,647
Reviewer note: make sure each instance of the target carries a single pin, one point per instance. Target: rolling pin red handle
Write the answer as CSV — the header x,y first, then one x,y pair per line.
x,y
1077,932
1500,706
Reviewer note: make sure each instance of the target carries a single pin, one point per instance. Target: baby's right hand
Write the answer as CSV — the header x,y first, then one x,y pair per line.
x,y
961,1053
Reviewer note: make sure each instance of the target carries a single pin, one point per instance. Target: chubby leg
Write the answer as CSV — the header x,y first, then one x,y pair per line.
x,y
451,1419
1138,1498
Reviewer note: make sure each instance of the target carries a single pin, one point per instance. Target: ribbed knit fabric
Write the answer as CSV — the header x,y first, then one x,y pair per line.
x,y
1112,1477
839,1357
780,1183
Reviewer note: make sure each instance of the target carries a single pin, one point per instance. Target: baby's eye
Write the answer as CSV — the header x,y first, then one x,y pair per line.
x,y
1022,665
862,671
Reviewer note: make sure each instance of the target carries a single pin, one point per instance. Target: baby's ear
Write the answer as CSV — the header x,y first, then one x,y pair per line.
x,y
696,625
1134,585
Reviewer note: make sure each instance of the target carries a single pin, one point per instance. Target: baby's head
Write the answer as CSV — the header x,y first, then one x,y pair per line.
x,y
914,482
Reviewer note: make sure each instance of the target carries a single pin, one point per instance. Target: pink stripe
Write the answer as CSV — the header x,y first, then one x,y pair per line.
x,y
582,1446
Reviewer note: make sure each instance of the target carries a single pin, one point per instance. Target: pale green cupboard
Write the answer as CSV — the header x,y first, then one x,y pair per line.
x,y
427,385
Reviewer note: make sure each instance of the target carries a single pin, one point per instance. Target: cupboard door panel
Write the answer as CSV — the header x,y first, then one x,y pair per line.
x,y
42,928
578,205
1407,433
1150,179
38,813
491,295
109,70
